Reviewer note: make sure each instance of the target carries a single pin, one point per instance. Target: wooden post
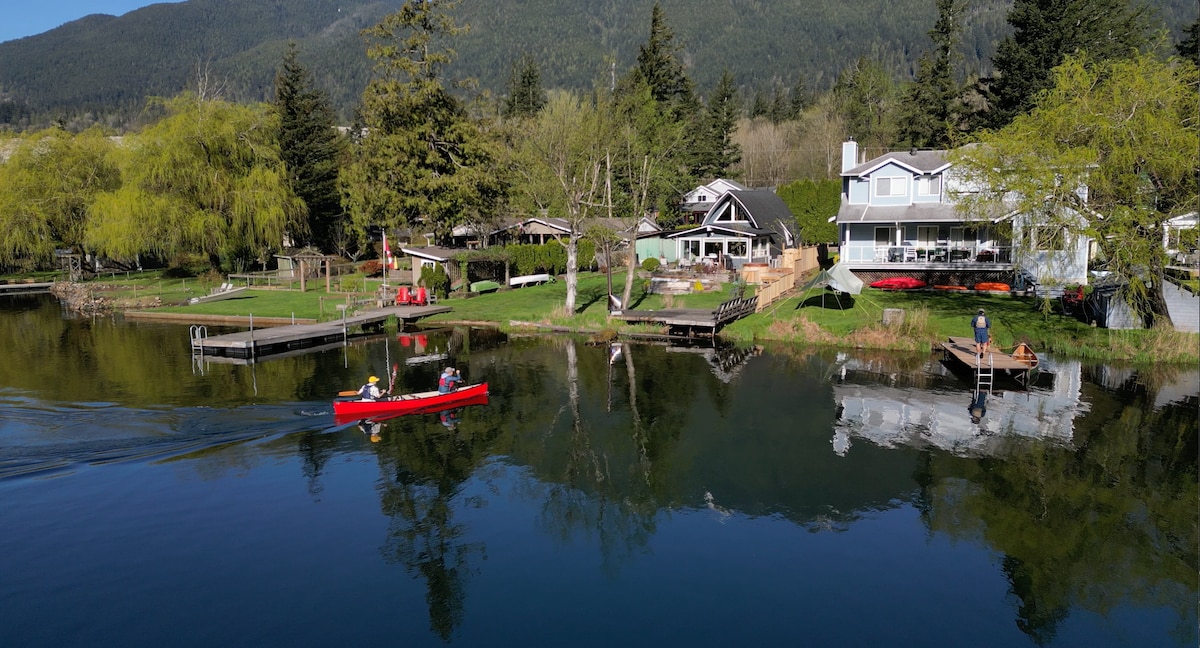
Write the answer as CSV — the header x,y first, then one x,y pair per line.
x,y
301,262
328,281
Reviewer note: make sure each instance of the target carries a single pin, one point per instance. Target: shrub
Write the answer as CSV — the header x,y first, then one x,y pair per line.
x,y
436,280
371,268
650,265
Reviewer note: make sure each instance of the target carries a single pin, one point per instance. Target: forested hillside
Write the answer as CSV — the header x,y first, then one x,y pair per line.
x,y
102,68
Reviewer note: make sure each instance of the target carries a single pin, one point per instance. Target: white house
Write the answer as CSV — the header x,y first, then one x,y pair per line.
x,y
696,203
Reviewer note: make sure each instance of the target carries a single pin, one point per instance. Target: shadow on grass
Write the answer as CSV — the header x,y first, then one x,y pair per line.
x,y
587,297
828,300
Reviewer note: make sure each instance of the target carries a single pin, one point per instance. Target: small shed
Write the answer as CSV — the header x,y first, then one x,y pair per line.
x,y
1107,308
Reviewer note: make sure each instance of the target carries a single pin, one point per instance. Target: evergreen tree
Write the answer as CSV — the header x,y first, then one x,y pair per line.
x,y
420,158
525,94
659,65
311,147
780,106
760,107
813,202
799,98
1189,47
933,110
716,153
1045,32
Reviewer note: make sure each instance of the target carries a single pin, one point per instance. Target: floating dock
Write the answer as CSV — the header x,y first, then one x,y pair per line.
x,y
962,350
280,339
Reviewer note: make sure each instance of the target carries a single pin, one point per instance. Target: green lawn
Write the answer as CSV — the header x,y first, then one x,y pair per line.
x,y
930,317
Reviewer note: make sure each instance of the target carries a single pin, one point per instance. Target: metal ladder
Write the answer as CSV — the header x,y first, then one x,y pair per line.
x,y
984,374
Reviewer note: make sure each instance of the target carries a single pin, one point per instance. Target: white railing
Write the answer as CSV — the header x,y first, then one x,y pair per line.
x,y
915,254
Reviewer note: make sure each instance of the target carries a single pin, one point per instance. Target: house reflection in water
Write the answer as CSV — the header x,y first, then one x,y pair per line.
x,y
935,409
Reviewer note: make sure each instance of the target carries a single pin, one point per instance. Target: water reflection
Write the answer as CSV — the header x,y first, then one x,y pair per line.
x,y
646,461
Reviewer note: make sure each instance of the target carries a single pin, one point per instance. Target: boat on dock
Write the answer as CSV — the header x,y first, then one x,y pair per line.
x,y
1019,365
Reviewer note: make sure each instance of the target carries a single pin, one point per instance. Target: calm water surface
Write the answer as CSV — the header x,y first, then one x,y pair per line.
x,y
639,495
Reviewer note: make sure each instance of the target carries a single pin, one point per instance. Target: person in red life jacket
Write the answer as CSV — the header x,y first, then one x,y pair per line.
x,y
448,381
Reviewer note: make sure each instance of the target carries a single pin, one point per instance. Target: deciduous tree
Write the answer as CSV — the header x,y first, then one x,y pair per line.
x,y
209,179
47,188
1129,131
565,160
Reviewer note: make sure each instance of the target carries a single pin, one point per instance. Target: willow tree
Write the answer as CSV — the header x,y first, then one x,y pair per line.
x,y
46,189
1127,129
565,159
207,179
419,156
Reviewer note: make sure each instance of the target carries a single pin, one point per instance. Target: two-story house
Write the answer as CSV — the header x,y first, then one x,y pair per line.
x,y
696,203
899,217
750,226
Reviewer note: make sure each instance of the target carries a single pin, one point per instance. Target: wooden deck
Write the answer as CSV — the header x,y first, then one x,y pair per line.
x,y
254,343
963,350
692,321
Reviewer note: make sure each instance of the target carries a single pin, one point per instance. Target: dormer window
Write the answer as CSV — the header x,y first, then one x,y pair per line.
x,y
929,185
890,187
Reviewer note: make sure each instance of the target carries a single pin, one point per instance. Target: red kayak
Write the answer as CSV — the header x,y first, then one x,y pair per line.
x,y
419,403
898,283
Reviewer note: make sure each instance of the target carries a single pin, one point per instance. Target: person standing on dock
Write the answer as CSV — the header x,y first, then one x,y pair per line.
x,y
982,326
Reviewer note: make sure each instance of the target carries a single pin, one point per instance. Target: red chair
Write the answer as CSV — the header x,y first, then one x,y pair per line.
x,y
402,296
421,297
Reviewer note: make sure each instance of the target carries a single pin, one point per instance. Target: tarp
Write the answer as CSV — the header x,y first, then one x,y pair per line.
x,y
838,278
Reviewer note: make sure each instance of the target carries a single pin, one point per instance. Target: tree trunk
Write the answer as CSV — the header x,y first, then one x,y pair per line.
x,y
572,271
630,268
1158,303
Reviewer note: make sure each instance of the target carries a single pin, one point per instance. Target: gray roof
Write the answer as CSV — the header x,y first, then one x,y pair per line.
x,y
765,207
432,252
919,161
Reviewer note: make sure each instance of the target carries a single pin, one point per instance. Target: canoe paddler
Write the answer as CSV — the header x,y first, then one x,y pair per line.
x,y
370,391
449,380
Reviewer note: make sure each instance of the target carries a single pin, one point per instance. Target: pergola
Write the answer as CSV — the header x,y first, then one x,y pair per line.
x,y
305,260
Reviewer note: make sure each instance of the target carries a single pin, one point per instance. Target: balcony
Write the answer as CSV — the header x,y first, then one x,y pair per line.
x,y
935,257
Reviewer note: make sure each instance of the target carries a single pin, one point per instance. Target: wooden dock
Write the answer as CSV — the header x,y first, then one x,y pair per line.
x,y
692,322
280,339
984,368
25,288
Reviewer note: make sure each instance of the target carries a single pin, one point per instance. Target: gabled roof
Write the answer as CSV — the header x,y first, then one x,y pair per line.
x,y
768,214
923,162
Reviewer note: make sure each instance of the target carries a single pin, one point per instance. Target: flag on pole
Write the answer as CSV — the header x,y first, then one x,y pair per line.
x,y
387,255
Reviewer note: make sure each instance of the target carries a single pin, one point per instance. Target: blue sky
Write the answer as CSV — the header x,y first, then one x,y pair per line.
x,y
21,18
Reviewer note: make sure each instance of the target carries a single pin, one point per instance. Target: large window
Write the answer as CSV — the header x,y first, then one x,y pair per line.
x,y
737,249
927,235
884,236
885,187
930,185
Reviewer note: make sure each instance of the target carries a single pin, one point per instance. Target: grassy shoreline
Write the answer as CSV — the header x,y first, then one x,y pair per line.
x,y
929,317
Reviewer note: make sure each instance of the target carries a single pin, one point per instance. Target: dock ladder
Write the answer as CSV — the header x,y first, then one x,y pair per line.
x,y
984,374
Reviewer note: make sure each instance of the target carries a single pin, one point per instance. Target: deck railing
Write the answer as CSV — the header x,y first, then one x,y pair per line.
x,y
920,255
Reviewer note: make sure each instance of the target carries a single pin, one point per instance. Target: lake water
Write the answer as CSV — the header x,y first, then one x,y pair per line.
x,y
639,495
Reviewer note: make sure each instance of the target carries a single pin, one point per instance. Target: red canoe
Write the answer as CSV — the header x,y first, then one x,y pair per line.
x,y
419,403
898,283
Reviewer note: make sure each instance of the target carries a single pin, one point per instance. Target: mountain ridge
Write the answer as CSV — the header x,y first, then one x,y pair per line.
x,y
103,65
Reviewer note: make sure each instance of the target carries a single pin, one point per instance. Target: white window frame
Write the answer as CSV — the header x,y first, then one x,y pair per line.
x,y
929,185
892,183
